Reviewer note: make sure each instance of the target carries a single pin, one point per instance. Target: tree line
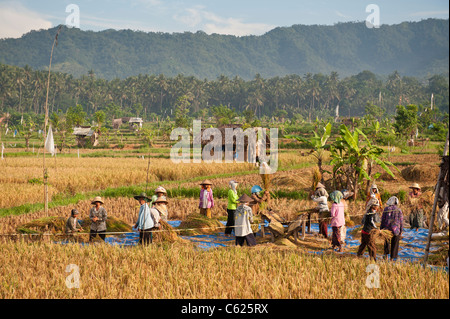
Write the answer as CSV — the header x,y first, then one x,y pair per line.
x,y
156,97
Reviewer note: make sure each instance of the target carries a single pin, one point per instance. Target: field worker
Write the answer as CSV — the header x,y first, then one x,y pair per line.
x,y
159,206
346,197
257,199
233,200
442,216
161,192
242,221
337,219
374,192
144,222
321,198
206,199
72,224
367,239
416,216
392,219
98,218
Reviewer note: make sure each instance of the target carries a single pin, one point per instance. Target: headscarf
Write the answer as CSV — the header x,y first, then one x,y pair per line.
x,y
372,187
336,197
392,201
321,192
372,202
233,185
162,207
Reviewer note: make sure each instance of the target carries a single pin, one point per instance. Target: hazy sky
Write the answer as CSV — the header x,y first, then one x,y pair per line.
x,y
243,17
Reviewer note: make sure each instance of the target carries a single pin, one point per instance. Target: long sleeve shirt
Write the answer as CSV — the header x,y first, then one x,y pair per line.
x,y
369,222
337,215
209,202
232,200
392,219
242,221
145,220
257,200
156,216
72,224
322,203
100,224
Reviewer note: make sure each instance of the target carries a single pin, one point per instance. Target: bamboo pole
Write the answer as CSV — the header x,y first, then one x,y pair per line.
x,y
433,212
55,42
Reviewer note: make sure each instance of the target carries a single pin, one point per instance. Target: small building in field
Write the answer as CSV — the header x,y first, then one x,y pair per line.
x,y
85,133
133,122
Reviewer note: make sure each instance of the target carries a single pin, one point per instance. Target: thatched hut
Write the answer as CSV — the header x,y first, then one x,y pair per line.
x,y
84,133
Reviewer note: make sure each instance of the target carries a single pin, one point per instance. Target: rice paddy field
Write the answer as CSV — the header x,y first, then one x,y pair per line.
x,y
42,265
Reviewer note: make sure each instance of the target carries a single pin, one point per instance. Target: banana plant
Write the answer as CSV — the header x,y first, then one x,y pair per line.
x,y
349,154
318,143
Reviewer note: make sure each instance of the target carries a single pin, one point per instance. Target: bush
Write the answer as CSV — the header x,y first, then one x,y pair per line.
x,y
402,195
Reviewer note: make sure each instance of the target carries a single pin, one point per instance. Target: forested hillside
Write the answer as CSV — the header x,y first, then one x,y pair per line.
x,y
417,49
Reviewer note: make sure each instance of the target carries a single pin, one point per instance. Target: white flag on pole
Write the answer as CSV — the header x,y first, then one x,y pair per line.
x,y
49,142
337,111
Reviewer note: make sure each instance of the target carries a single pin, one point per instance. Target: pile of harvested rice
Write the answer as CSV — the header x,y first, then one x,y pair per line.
x,y
381,235
197,224
420,173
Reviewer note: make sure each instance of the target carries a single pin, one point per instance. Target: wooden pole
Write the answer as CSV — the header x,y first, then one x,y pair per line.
x,y
433,212
55,42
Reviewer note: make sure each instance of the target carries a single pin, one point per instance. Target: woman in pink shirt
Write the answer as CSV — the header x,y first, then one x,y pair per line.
x,y
206,199
337,219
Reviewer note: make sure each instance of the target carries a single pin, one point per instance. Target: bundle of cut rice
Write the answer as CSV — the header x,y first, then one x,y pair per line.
x,y
266,178
316,177
381,235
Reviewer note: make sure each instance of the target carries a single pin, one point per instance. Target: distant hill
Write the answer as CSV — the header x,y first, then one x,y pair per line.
x,y
412,48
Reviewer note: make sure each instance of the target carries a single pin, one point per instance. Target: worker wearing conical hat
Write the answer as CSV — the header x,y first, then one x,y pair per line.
x,y
98,217
206,198
144,222
417,214
159,191
243,218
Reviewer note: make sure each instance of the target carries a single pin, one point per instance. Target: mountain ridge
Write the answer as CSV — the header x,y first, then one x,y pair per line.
x,y
412,48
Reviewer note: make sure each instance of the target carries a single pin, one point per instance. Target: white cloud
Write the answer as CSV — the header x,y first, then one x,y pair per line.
x,y
15,20
212,23
340,14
